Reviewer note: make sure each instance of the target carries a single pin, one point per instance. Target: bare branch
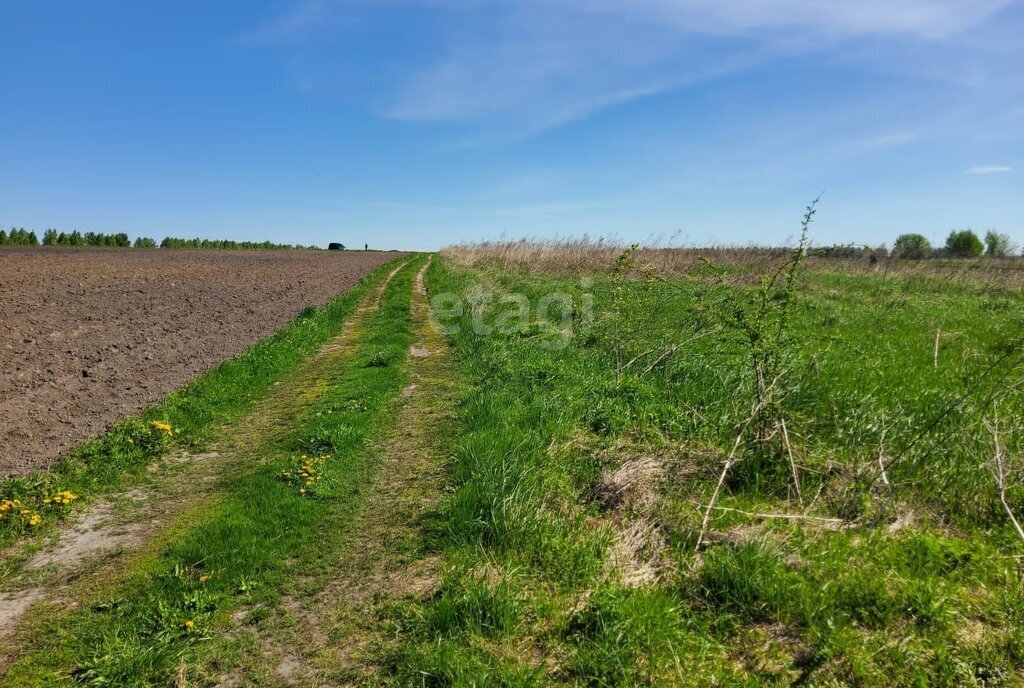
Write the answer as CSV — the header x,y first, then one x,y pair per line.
x,y
729,461
791,517
999,471
792,462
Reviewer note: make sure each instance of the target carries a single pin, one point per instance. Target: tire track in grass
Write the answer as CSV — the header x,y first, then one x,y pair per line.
x,y
123,536
333,628
294,395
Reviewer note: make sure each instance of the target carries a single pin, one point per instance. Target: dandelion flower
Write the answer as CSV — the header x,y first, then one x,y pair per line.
x,y
161,426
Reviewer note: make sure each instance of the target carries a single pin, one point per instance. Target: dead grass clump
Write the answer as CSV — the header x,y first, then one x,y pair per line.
x,y
636,552
631,493
633,485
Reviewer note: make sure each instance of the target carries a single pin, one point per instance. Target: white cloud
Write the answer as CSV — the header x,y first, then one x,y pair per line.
x,y
520,67
923,18
307,14
543,63
988,169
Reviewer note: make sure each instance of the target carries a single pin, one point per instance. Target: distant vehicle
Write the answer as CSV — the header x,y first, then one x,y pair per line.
x,y
335,246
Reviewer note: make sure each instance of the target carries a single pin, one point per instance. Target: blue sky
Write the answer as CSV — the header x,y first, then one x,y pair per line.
x,y
418,123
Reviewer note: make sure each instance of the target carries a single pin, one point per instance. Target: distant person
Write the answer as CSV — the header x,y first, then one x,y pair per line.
x,y
366,247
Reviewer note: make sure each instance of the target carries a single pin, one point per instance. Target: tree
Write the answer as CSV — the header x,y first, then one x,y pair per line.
x,y
911,246
145,242
50,237
19,237
964,244
998,245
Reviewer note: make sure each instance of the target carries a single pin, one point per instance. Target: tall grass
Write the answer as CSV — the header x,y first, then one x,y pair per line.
x,y
586,254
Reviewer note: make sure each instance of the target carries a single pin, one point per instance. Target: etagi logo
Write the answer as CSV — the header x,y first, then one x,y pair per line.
x,y
553,318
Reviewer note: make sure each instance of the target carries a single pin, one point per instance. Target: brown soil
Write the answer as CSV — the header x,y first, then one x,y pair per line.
x,y
91,336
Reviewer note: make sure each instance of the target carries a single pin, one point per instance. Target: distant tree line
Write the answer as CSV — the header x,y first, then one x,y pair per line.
x,y
172,242
962,243
51,237
18,237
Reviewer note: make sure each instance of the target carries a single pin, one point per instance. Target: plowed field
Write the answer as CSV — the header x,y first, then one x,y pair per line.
x,y
89,336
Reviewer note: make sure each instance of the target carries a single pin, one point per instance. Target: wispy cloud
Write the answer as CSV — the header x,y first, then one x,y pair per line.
x,y
922,18
881,143
520,67
542,64
290,25
988,169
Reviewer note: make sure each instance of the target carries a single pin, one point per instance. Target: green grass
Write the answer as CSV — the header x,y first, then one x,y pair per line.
x,y
246,544
220,396
919,585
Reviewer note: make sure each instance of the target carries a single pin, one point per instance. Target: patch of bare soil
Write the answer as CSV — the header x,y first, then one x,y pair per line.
x,y
91,336
94,533
14,605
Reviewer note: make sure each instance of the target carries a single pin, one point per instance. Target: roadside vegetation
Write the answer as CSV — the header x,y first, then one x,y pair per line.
x,y
745,473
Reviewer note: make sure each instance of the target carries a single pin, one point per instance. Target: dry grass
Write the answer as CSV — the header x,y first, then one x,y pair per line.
x,y
585,254
633,485
574,256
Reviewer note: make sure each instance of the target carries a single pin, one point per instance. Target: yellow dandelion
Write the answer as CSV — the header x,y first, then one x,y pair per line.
x,y
161,426
203,579
190,623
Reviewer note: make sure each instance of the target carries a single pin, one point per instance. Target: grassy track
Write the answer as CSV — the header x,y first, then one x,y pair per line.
x,y
331,626
238,546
